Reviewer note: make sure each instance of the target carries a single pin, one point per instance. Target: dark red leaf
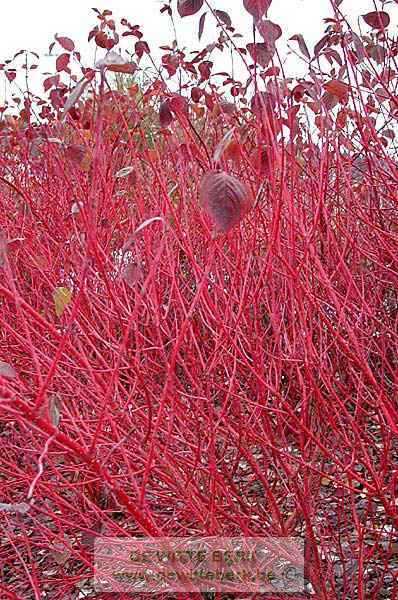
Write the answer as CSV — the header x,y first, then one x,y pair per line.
x,y
62,63
224,17
321,44
224,199
196,94
165,114
263,101
187,8
11,75
178,104
257,8
269,31
101,39
205,69
75,153
202,25
141,47
261,53
66,43
50,82
302,45
377,19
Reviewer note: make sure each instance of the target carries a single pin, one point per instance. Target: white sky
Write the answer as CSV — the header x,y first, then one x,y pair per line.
x,y
31,24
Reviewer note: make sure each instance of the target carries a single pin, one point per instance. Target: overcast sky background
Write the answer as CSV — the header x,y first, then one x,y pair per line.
x,y
32,25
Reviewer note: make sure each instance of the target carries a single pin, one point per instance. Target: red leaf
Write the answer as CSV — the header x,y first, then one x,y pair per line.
x,y
257,8
201,25
205,69
269,31
141,47
178,104
165,114
66,43
196,94
337,88
49,82
75,153
224,17
187,8
116,63
224,199
377,19
263,101
10,75
62,63
302,45
101,39
261,53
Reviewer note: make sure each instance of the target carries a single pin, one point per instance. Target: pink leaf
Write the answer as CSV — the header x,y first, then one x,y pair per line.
x,y
66,43
224,199
165,114
377,19
257,8
187,8
302,45
201,25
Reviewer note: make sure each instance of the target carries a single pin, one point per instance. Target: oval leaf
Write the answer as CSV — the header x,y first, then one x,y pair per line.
x,y
62,62
187,8
257,8
337,88
224,17
66,43
124,172
7,370
269,31
224,199
62,296
116,63
131,274
165,115
261,53
377,19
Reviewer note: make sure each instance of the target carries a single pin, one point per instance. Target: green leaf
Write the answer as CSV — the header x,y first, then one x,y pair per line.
x,y
62,297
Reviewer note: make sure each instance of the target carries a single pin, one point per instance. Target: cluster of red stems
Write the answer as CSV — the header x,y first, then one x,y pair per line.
x,y
199,303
